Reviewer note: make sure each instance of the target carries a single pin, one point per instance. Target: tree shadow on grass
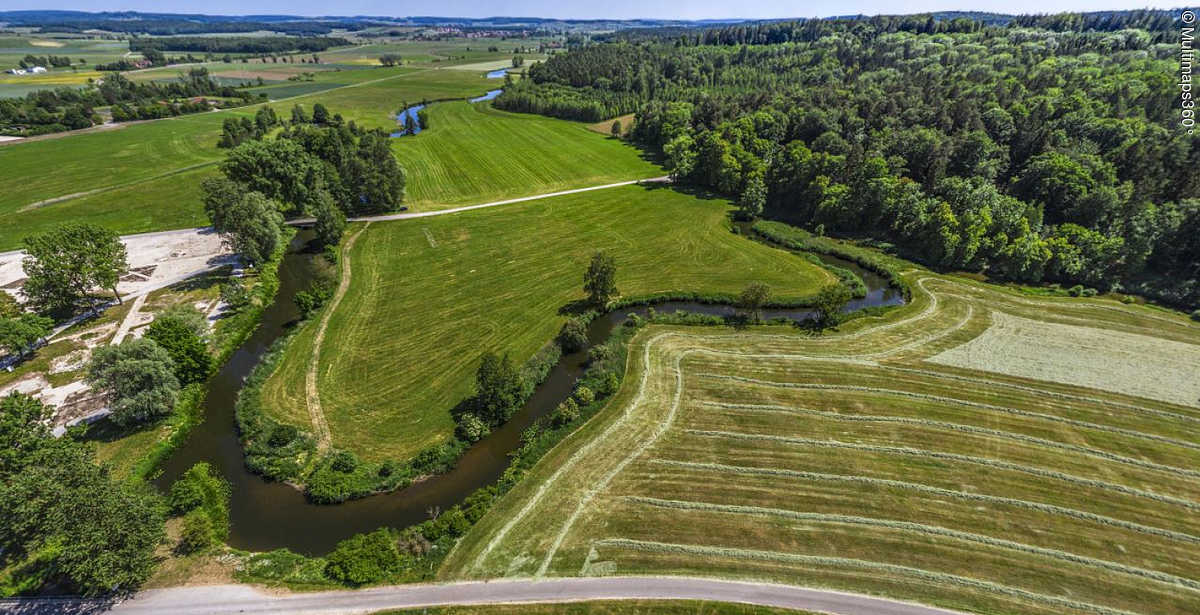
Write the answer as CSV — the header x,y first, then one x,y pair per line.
x,y
107,430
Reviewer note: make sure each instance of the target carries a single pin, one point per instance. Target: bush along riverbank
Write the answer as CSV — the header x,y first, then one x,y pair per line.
x,y
794,238
235,329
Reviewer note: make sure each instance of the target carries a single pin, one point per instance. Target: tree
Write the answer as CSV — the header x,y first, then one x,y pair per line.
x,y
299,116
196,534
192,361
248,223
331,221
9,308
67,264
600,281
750,303
423,119
55,498
573,335
320,114
138,378
829,305
364,558
498,388
754,198
616,129
279,169
374,180
19,335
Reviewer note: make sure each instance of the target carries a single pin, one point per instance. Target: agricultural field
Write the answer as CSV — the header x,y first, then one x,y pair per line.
x,y
473,153
14,48
427,297
879,459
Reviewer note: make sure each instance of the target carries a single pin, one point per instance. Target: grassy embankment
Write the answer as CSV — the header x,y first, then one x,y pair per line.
x,y
852,461
605,607
427,297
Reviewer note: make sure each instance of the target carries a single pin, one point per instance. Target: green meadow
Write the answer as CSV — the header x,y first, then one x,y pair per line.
x,y
427,297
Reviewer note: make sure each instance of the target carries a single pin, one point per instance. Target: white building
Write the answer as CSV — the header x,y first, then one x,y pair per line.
x,y
37,70
15,71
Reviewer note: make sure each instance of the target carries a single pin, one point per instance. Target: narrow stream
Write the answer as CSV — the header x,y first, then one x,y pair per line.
x,y
266,515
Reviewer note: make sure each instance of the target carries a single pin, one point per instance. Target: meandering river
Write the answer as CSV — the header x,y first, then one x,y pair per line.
x,y
268,515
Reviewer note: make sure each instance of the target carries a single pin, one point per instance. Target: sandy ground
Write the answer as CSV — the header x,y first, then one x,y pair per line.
x,y
4,139
156,260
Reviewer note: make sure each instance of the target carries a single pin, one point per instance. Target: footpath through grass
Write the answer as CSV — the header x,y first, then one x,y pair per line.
x,y
429,296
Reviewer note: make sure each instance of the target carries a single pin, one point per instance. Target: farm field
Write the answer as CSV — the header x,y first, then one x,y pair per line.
x,y
427,297
153,169
474,153
852,461
14,48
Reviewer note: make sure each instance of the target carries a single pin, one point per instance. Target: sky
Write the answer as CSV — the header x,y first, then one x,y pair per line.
x,y
588,9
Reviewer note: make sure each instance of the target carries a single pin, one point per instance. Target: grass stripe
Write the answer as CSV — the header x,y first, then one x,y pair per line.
x,y
938,491
814,560
1036,391
921,528
983,461
996,433
1129,433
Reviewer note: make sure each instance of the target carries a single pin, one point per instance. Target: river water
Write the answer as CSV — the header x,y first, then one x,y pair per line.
x,y
268,515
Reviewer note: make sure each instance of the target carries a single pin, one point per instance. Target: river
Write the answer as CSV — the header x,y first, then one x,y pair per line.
x,y
268,515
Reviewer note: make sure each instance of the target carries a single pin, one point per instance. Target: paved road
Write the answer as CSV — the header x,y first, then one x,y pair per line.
x,y
442,212
221,599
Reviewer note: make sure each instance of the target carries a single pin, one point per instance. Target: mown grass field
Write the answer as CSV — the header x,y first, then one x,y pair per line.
x,y
850,461
473,153
145,176
427,297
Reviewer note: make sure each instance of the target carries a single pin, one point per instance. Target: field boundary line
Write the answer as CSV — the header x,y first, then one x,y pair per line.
x,y
1121,431
982,461
931,490
571,461
931,530
816,560
312,393
959,427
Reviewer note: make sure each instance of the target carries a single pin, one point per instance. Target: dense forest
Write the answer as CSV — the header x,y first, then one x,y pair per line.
x,y
1047,149
65,108
237,44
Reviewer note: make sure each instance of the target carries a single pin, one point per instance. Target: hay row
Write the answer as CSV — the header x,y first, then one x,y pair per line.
x,y
815,560
1120,431
941,456
971,429
1036,391
937,491
930,530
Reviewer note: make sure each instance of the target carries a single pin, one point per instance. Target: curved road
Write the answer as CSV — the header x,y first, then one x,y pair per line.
x,y
221,599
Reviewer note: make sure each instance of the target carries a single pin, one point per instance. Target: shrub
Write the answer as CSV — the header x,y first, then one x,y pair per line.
x,y
611,383
566,413
344,462
471,428
1088,292
197,532
1196,316
365,558
200,489
234,293
282,435
573,335
1128,300
584,396
600,353
1075,290
192,361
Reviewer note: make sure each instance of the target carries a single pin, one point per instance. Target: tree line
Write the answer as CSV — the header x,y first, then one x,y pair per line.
x,y
1029,153
237,44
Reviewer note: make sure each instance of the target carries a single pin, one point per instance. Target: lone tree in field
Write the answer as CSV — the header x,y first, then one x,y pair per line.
x,y
67,264
829,305
18,335
600,281
616,128
750,303
138,377
249,223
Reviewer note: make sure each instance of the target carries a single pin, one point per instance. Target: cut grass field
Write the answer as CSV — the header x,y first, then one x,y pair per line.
x,y
429,296
145,176
850,461
474,153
